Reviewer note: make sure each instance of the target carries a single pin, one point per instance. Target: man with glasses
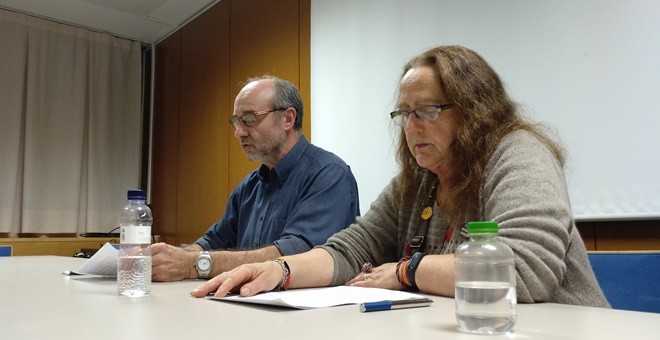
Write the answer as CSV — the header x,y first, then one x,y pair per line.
x,y
300,196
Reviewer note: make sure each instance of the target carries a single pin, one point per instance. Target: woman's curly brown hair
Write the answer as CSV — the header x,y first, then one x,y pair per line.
x,y
486,115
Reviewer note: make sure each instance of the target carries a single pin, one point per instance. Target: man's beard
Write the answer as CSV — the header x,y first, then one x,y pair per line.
x,y
268,152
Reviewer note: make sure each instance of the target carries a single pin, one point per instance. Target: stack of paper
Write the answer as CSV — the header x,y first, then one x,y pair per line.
x,y
103,263
322,297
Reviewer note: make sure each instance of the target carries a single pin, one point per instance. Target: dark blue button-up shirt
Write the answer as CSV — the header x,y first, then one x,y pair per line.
x,y
308,196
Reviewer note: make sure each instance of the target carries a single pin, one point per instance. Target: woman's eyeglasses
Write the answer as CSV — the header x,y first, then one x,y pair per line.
x,y
427,113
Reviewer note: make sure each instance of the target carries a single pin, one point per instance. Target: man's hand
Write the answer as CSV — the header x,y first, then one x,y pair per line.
x,y
171,263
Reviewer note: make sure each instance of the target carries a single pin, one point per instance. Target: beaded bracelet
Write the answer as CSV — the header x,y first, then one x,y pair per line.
x,y
398,272
402,273
286,274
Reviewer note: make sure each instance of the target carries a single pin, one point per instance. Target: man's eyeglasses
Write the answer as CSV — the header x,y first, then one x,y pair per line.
x,y
427,113
250,119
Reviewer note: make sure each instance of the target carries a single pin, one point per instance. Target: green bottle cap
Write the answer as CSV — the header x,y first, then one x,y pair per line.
x,y
483,227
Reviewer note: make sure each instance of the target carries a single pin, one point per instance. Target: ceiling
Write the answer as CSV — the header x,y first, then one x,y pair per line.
x,y
142,20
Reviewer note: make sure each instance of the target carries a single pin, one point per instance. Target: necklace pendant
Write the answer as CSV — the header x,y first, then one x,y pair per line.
x,y
427,213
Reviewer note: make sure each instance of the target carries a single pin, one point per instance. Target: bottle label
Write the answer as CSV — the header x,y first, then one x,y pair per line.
x,y
135,235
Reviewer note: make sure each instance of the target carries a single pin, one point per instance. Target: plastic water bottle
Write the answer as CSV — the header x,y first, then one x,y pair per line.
x,y
134,259
485,282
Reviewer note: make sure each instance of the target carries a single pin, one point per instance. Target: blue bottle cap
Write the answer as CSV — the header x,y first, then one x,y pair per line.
x,y
137,194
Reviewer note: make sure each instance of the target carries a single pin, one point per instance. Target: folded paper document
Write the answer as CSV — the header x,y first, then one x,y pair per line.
x,y
322,297
103,263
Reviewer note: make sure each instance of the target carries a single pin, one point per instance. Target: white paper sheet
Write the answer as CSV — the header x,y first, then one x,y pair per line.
x,y
322,297
102,263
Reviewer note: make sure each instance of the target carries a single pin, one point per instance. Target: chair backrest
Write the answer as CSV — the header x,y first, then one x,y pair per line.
x,y
630,280
5,250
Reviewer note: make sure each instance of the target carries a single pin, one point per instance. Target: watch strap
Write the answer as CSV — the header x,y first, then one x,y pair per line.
x,y
412,268
203,274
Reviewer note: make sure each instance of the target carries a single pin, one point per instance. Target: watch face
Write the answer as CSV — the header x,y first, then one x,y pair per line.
x,y
204,264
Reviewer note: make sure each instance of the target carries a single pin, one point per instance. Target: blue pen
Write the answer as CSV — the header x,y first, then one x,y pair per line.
x,y
398,304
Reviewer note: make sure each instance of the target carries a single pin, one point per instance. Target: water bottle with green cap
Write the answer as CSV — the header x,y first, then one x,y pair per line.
x,y
485,280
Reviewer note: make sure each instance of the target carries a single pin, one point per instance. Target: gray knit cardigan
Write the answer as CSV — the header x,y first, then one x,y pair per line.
x,y
524,190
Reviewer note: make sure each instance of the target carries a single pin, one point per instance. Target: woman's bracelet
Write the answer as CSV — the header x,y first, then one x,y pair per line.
x,y
286,274
402,273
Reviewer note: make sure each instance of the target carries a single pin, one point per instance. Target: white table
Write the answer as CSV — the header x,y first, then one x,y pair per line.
x,y
38,302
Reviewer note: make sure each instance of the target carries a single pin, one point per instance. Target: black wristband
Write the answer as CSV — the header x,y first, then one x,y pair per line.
x,y
412,268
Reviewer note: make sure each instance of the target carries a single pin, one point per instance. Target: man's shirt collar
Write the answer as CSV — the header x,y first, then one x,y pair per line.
x,y
281,170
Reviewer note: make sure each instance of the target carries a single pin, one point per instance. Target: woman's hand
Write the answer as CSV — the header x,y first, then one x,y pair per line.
x,y
380,277
248,280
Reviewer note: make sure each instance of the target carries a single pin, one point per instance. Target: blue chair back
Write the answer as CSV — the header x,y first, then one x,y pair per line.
x,y
630,280
5,250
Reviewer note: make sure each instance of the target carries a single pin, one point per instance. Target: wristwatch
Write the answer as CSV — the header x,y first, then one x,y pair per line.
x,y
204,263
412,268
